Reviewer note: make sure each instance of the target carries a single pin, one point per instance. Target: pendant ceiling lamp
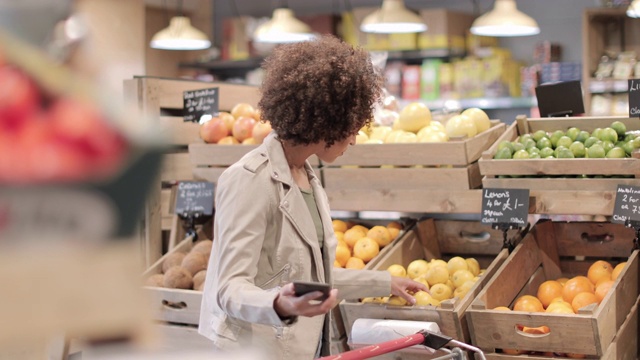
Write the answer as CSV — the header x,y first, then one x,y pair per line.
x,y
505,20
180,35
392,17
283,27
634,9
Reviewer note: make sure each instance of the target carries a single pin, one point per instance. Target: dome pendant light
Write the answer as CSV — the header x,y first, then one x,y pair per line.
x,y
392,17
634,9
180,35
505,20
283,27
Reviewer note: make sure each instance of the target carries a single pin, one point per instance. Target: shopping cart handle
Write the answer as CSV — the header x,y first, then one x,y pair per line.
x,y
433,340
423,337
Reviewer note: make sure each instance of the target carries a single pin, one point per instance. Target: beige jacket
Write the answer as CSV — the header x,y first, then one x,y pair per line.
x,y
264,237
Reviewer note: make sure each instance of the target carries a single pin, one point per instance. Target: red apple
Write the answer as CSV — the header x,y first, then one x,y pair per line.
x,y
243,128
260,131
213,130
19,97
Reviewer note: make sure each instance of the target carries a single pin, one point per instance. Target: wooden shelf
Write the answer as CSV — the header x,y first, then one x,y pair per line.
x,y
552,202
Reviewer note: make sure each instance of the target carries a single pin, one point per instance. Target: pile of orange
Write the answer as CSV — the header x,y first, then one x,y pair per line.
x,y
567,296
357,244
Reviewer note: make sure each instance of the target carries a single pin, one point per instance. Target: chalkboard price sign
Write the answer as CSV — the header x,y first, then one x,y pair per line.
x,y
627,205
194,197
505,206
198,103
634,98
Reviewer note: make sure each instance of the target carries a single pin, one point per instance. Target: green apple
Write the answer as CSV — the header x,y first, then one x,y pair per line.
x,y
620,128
521,154
573,133
543,143
564,141
546,152
596,151
540,134
608,134
504,153
590,141
556,136
583,136
616,153
505,143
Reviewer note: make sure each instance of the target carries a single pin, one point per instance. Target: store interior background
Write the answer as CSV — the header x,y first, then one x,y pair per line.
x,y
122,30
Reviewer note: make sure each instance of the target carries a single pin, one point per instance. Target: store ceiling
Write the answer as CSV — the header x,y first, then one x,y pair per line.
x,y
225,8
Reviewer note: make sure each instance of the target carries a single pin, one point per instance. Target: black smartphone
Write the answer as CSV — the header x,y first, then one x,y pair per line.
x,y
305,287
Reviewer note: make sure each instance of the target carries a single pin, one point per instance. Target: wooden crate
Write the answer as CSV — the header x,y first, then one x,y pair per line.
x,y
173,305
548,252
456,153
399,177
436,239
161,100
208,161
491,169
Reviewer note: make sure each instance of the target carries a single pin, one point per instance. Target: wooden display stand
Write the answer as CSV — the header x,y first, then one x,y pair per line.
x,y
542,256
155,97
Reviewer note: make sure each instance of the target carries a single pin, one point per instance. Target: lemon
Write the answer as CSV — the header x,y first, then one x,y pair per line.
x,y
457,263
441,292
460,277
397,270
417,268
423,298
473,266
437,275
396,300
438,262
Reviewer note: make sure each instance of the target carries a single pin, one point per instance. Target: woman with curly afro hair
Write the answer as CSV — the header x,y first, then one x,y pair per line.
x,y
273,225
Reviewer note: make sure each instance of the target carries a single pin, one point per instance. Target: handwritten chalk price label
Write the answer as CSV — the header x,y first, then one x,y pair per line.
x,y
627,205
200,103
505,206
194,197
634,97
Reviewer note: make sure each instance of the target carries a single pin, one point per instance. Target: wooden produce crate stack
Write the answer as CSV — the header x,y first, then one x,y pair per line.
x,y
437,239
549,251
157,97
548,177
399,174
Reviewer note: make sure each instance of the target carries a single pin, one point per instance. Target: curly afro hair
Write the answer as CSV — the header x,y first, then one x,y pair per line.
x,y
320,90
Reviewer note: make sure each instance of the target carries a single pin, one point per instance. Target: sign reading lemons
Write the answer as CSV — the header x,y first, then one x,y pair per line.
x,y
505,206
627,205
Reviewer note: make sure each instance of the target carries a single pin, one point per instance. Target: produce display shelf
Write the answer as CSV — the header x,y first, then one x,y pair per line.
x,y
482,103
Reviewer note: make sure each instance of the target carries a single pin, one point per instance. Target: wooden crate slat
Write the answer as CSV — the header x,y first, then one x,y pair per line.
x,y
467,237
224,155
593,239
180,132
169,92
573,202
625,345
210,174
557,184
167,215
587,123
175,167
626,166
415,200
388,179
